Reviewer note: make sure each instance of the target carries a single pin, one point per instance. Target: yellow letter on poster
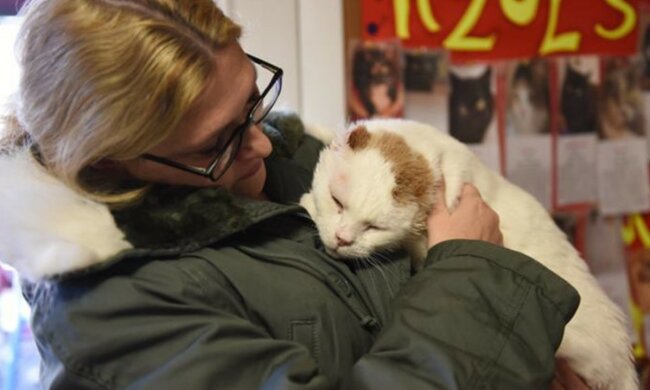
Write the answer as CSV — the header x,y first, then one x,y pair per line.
x,y
458,39
402,17
520,12
568,41
402,10
629,21
426,14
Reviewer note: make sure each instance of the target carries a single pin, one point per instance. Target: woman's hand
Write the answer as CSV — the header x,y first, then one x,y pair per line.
x,y
472,219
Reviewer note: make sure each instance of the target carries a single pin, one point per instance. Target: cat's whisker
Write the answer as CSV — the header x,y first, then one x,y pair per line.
x,y
377,265
387,260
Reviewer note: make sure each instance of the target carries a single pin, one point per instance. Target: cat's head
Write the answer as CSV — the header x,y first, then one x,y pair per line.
x,y
370,193
471,106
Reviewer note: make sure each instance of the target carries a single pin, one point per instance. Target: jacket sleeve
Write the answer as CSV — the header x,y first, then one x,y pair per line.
x,y
476,316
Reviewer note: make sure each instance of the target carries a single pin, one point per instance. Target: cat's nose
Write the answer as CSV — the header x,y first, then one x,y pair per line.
x,y
340,241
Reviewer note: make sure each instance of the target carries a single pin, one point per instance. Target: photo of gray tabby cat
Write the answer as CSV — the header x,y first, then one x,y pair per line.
x,y
374,186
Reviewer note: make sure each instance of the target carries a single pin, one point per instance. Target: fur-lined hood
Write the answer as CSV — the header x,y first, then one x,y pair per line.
x,y
48,230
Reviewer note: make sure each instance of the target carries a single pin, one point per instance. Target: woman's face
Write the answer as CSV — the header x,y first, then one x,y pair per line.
x,y
222,106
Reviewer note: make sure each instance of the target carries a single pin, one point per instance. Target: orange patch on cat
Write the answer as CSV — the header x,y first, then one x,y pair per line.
x,y
358,138
413,177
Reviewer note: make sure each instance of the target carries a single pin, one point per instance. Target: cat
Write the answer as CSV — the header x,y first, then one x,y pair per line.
x,y
579,101
374,187
621,111
471,107
421,70
375,79
528,100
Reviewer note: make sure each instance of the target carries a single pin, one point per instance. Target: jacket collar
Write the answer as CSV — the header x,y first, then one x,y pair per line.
x,y
48,231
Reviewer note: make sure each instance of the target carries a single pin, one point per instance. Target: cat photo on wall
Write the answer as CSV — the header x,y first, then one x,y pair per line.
x,y
578,81
422,69
528,100
471,103
621,102
376,89
644,50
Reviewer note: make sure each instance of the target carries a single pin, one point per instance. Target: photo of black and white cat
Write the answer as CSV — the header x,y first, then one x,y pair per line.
x,y
578,94
471,102
621,102
528,101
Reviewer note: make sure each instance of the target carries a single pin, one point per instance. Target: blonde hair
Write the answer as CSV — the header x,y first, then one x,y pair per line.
x,y
109,79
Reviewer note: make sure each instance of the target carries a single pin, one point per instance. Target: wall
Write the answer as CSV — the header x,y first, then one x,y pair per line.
x,y
305,38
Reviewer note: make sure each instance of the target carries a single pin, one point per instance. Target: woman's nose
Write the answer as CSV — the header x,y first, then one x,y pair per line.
x,y
255,144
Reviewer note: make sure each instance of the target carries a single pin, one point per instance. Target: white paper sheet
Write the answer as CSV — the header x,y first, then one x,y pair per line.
x,y
576,169
623,176
529,165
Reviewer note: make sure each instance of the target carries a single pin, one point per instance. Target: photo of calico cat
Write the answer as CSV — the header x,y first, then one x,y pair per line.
x,y
375,185
578,101
377,89
471,106
621,104
528,99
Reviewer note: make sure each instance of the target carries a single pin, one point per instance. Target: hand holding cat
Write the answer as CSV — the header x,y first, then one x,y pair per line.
x,y
472,219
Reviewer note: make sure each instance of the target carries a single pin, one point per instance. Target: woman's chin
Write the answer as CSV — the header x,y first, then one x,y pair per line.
x,y
251,184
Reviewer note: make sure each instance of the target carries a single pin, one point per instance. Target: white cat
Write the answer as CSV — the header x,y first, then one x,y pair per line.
x,y
374,187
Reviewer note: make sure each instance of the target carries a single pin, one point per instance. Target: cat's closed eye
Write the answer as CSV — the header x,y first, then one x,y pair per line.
x,y
339,205
373,227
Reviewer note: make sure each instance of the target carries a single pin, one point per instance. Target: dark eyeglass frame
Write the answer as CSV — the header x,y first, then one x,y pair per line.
x,y
237,136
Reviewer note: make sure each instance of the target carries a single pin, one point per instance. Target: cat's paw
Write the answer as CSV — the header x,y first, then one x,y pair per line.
x,y
453,187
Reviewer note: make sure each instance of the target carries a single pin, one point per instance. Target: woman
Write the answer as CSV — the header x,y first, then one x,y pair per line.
x,y
164,249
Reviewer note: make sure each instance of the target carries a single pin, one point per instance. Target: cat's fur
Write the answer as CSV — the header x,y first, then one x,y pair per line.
x,y
383,176
471,106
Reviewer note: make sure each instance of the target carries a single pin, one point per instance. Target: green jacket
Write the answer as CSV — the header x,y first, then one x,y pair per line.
x,y
207,291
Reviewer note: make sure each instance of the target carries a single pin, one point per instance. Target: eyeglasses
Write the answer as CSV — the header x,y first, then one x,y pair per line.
x,y
227,151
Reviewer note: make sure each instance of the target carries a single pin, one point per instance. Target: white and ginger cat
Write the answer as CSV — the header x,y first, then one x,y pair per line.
x,y
373,188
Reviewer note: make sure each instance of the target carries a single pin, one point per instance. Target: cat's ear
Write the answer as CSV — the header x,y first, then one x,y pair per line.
x,y
454,78
358,138
487,75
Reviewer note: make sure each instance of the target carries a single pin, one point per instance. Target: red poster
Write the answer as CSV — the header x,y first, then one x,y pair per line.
x,y
498,29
